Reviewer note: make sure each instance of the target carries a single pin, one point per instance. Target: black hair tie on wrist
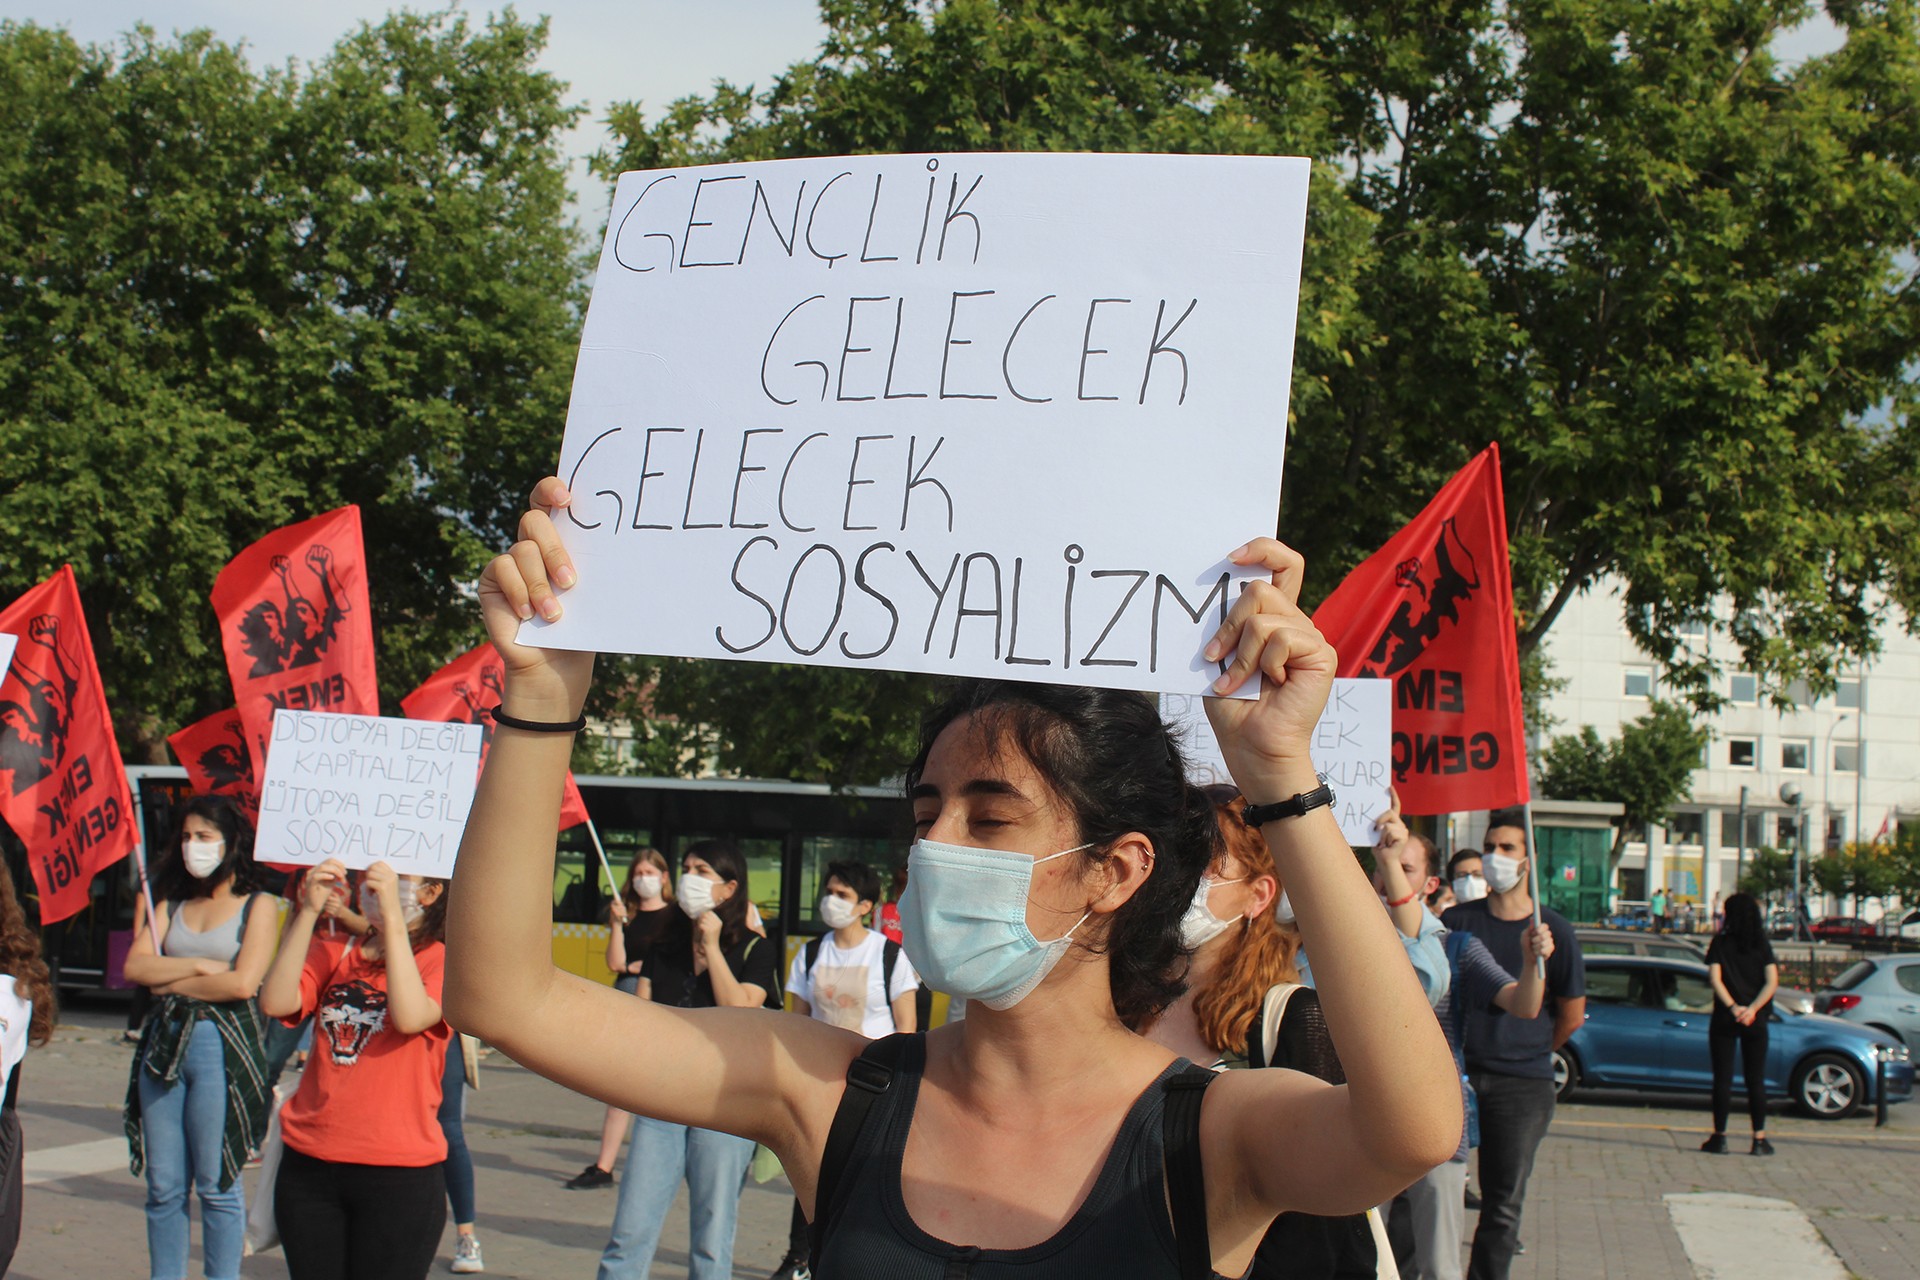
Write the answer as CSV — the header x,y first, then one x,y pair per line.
x,y
538,726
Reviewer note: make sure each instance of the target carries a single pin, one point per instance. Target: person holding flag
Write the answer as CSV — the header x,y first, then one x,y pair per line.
x,y
1510,1058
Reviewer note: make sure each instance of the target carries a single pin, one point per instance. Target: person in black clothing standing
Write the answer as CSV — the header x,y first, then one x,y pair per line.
x,y
1741,967
1510,1059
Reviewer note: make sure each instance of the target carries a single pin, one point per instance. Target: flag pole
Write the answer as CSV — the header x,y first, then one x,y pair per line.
x,y
1533,879
612,887
146,891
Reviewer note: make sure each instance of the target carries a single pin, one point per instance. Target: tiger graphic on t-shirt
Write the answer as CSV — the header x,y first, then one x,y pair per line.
x,y
351,1014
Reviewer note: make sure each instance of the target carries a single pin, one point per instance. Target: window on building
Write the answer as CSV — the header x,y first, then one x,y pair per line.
x,y
1742,752
1743,689
1637,682
1796,755
1784,831
1846,694
1799,694
1686,828
1693,626
1730,830
1846,757
1836,830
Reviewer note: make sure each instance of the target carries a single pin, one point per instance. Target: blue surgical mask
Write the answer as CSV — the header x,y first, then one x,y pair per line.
x,y
964,916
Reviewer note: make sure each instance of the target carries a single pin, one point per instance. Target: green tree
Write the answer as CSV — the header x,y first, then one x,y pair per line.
x,y
1648,768
1672,275
230,299
1768,874
1857,871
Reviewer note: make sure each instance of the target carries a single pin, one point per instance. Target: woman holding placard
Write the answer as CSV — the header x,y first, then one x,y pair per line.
x,y
1059,848
197,1100
361,1190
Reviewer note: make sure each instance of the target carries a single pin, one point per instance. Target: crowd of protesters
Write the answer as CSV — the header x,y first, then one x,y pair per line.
x,y
1125,947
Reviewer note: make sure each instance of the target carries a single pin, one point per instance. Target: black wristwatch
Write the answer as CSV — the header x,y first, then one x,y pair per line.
x,y
1259,815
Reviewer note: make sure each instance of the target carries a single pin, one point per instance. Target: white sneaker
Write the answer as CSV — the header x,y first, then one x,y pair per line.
x,y
466,1256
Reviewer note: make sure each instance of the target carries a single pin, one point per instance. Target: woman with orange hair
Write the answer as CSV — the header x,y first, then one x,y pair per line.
x,y
26,1017
1245,948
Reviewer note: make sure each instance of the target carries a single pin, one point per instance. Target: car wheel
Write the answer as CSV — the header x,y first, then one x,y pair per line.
x,y
1565,1074
1829,1087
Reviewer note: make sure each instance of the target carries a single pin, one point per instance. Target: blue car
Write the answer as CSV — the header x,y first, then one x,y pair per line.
x,y
1646,1029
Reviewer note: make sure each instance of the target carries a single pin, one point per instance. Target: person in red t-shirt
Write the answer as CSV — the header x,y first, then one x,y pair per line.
x,y
361,1191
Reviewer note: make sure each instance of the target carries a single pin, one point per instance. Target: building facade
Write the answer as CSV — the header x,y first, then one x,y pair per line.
x,y
1831,770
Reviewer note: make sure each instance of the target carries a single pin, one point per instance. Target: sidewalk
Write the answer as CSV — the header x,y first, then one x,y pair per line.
x,y
1596,1208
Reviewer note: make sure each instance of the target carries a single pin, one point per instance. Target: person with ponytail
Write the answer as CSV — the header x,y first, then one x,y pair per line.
x,y
361,1191
1058,847
197,1100
634,922
27,1009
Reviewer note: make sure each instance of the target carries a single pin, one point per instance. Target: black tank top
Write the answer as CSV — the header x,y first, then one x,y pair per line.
x,y
1122,1229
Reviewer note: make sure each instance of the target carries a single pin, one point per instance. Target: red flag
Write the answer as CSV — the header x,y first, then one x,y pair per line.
x,y
296,625
460,692
1433,611
214,751
63,789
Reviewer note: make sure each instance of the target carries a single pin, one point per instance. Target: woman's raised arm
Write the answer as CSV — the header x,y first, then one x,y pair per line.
x,y
737,1070
1298,1144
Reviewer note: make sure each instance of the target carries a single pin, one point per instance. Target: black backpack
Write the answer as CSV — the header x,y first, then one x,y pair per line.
x,y
889,956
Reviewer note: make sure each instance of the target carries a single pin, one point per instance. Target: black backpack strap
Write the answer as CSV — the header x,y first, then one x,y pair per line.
x,y
1186,1183
868,1076
889,957
813,953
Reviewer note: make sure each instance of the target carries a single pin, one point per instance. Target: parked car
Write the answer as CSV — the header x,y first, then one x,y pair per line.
x,y
1646,1029
1673,946
1882,993
1901,926
1841,929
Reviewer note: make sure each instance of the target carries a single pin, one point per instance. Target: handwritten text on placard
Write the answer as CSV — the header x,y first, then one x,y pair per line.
x,y
981,414
367,789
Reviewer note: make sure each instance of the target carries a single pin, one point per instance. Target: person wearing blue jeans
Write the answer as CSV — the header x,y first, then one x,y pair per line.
x,y
715,1168
459,1166
185,1125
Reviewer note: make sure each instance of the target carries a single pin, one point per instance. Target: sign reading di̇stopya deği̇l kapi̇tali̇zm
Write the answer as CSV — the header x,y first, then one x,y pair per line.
x,y
976,414
367,789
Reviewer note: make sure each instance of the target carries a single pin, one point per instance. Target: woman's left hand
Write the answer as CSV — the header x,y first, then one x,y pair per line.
x,y
707,928
1264,740
385,883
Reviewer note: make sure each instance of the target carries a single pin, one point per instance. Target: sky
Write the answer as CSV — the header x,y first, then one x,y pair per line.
x,y
607,50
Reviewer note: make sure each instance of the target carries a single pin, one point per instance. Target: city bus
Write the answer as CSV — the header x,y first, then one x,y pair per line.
x,y
787,833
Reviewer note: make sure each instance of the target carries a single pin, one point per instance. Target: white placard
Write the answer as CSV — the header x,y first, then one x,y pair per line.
x,y
367,789
8,643
973,414
1352,745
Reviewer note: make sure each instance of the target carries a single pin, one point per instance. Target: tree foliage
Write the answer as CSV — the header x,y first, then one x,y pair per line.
x,y
1768,874
1673,275
1859,872
1648,768
233,298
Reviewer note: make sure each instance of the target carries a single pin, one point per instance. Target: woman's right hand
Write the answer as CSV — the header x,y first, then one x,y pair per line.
x,y
321,883
545,684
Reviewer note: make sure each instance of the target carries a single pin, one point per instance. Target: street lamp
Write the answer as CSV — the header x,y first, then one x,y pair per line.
x,y
1791,794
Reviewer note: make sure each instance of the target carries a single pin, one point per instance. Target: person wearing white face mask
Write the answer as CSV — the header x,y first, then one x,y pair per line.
x,y
361,1190
848,977
1059,845
705,957
196,1105
634,922
1510,1059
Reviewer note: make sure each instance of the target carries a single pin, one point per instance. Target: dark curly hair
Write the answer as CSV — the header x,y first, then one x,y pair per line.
x,y
1111,759
172,882
20,958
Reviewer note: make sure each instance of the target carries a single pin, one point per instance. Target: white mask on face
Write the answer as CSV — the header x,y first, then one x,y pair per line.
x,y
405,890
647,885
1469,888
1502,872
837,913
1200,926
1283,909
694,893
202,857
